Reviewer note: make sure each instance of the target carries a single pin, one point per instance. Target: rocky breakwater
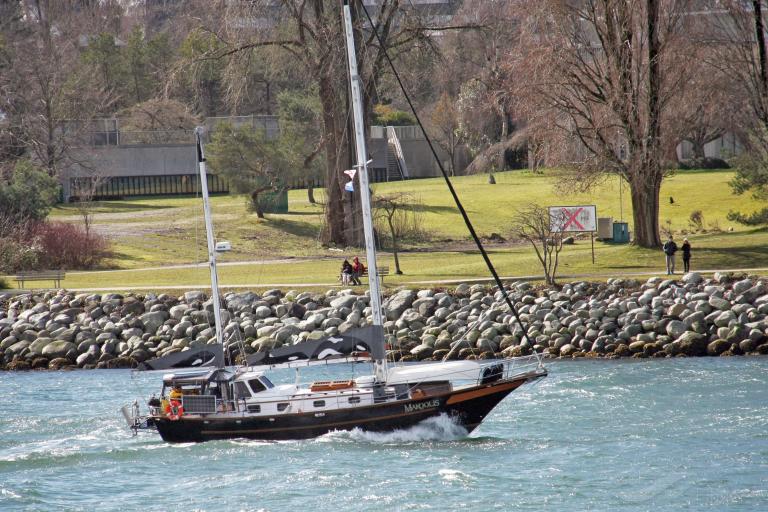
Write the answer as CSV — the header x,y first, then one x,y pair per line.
x,y
619,318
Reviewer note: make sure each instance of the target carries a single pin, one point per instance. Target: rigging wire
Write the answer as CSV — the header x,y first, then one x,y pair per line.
x,y
447,180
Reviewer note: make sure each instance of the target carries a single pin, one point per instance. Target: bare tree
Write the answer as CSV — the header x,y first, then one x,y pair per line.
x,y
606,70
735,34
444,121
43,82
534,224
398,213
486,100
309,37
85,192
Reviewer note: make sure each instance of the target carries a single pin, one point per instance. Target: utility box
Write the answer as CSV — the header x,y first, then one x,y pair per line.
x,y
604,228
274,202
223,246
620,232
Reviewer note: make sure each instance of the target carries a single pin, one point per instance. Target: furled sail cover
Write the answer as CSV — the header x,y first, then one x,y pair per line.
x,y
207,355
366,339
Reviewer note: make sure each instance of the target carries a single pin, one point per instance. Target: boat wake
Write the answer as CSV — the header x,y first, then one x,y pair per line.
x,y
439,428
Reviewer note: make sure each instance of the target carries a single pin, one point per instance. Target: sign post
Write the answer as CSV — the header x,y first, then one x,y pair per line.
x,y
574,219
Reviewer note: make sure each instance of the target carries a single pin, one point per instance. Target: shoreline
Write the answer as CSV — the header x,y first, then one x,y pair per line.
x,y
621,318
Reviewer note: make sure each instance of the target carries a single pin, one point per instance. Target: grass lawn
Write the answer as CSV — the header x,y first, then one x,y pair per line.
x,y
160,232
711,252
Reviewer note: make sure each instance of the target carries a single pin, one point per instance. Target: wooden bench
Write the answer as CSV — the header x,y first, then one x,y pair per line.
x,y
383,271
43,275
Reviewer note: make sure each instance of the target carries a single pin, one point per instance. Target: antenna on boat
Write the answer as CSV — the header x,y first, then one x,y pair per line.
x,y
378,352
199,131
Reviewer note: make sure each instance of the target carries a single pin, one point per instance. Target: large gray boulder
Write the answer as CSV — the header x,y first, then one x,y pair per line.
x,y
692,278
244,300
345,301
422,352
676,328
153,321
717,347
37,346
58,348
693,344
719,303
193,296
397,303
178,311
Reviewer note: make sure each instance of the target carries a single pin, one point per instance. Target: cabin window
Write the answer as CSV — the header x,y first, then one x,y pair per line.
x,y
354,399
283,406
266,382
254,408
319,403
241,390
256,385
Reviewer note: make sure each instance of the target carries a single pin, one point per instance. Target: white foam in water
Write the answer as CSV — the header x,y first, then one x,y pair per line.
x,y
451,475
439,428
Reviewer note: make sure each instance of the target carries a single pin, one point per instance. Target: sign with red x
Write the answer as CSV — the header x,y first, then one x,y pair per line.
x,y
573,218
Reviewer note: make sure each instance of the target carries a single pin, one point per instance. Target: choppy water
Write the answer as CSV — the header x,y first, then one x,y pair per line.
x,y
682,434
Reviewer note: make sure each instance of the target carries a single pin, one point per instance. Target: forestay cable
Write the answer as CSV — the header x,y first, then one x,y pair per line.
x,y
447,180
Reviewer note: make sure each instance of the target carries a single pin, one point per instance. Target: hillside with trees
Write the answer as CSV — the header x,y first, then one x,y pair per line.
x,y
597,89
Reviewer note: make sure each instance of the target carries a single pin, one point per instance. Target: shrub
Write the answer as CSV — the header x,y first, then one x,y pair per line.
x,y
385,115
753,219
16,251
27,192
704,163
4,284
64,245
696,220
16,255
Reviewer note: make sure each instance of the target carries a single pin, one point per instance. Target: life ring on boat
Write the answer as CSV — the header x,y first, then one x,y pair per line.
x,y
174,411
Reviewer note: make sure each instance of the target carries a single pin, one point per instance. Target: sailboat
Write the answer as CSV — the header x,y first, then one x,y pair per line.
x,y
211,400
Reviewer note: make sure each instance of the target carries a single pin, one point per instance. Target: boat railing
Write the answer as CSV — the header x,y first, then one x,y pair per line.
x,y
510,368
490,370
519,365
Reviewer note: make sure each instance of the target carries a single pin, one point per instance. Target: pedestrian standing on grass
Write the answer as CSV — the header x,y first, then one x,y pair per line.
x,y
670,248
686,255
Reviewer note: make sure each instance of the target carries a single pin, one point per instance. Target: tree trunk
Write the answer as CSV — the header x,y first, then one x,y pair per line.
x,y
394,245
333,233
256,204
757,9
698,149
311,194
645,211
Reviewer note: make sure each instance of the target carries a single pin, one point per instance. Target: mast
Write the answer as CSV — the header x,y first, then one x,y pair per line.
x,y
209,235
380,356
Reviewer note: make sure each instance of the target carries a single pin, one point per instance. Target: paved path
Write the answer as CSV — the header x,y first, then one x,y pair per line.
x,y
203,265
335,284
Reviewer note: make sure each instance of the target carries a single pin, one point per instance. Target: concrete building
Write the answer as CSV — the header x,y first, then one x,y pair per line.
x,y
111,163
